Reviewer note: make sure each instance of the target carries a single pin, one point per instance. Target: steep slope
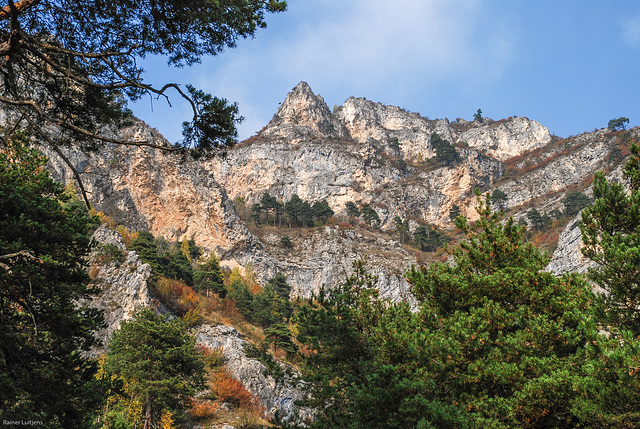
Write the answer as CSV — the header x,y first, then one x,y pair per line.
x,y
364,152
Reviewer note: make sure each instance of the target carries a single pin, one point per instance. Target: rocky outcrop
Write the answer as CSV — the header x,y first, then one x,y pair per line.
x,y
568,257
364,152
303,115
278,396
122,279
507,138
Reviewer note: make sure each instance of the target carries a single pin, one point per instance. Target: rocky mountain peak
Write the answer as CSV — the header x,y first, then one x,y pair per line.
x,y
303,115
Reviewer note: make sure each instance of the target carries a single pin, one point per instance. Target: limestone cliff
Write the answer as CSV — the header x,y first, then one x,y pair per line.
x,y
364,152
123,281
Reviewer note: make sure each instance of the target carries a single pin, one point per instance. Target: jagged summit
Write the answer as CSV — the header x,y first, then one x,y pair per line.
x,y
302,115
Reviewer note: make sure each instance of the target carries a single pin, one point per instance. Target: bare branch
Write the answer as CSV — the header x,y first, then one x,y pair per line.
x,y
66,160
7,11
32,104
23,253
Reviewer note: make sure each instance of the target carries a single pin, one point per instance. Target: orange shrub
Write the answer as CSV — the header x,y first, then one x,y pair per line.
x,y
178,295
203,410
228,389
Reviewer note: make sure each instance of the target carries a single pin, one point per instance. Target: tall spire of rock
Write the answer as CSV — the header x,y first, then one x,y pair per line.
x,y
302,115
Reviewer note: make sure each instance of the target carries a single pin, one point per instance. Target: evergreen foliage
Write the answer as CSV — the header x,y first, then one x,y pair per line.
x,y
611,236
207,277
446,154
618,124
158,361
538,220
499,199
74,65
321,211
166,260
574,201
44,240
428,238
369,215
352,210
496,342
454,212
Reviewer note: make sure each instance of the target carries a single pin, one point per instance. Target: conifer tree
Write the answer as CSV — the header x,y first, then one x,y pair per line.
x,y
45,323
208,277
611,236
157,358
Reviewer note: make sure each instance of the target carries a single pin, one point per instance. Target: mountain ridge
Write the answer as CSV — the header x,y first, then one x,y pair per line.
x,y
363,152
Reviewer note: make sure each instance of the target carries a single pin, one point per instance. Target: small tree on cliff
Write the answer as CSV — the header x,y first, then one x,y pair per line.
x,y
208,277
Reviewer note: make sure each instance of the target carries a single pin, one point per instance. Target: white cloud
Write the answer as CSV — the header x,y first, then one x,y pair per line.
x,y
631,30
364,47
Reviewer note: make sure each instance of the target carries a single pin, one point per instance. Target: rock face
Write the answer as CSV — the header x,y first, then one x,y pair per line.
x,y
303,115
122,280
363,152
278,396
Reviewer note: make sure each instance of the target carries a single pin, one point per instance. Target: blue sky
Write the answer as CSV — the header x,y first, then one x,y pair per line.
x,y
570,64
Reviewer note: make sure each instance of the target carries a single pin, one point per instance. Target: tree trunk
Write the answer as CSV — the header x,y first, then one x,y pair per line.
x,y
147,416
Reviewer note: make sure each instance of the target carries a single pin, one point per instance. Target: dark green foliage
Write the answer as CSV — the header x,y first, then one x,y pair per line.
x,y
401,227
157,358
446,154
394,144
243,298
575,201
207,277
555,214
499,199
352,209
279,335
370,216
618,124
167,260
269,307
293,208
336,326
44,239
478,116
611,235
539,221
428,238
303,213
321,211
269,204
107,253
496,342
256,211
454,212
280,285
75,64
285,241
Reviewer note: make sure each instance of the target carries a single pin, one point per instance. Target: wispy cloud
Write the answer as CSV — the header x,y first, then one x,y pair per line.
x,y
631,30
362,45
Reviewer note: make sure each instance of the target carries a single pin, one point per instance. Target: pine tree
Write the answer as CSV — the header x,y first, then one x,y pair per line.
x,y
370,216
352,209
207,277
496,342
157,358
611,236
69,68
45,323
